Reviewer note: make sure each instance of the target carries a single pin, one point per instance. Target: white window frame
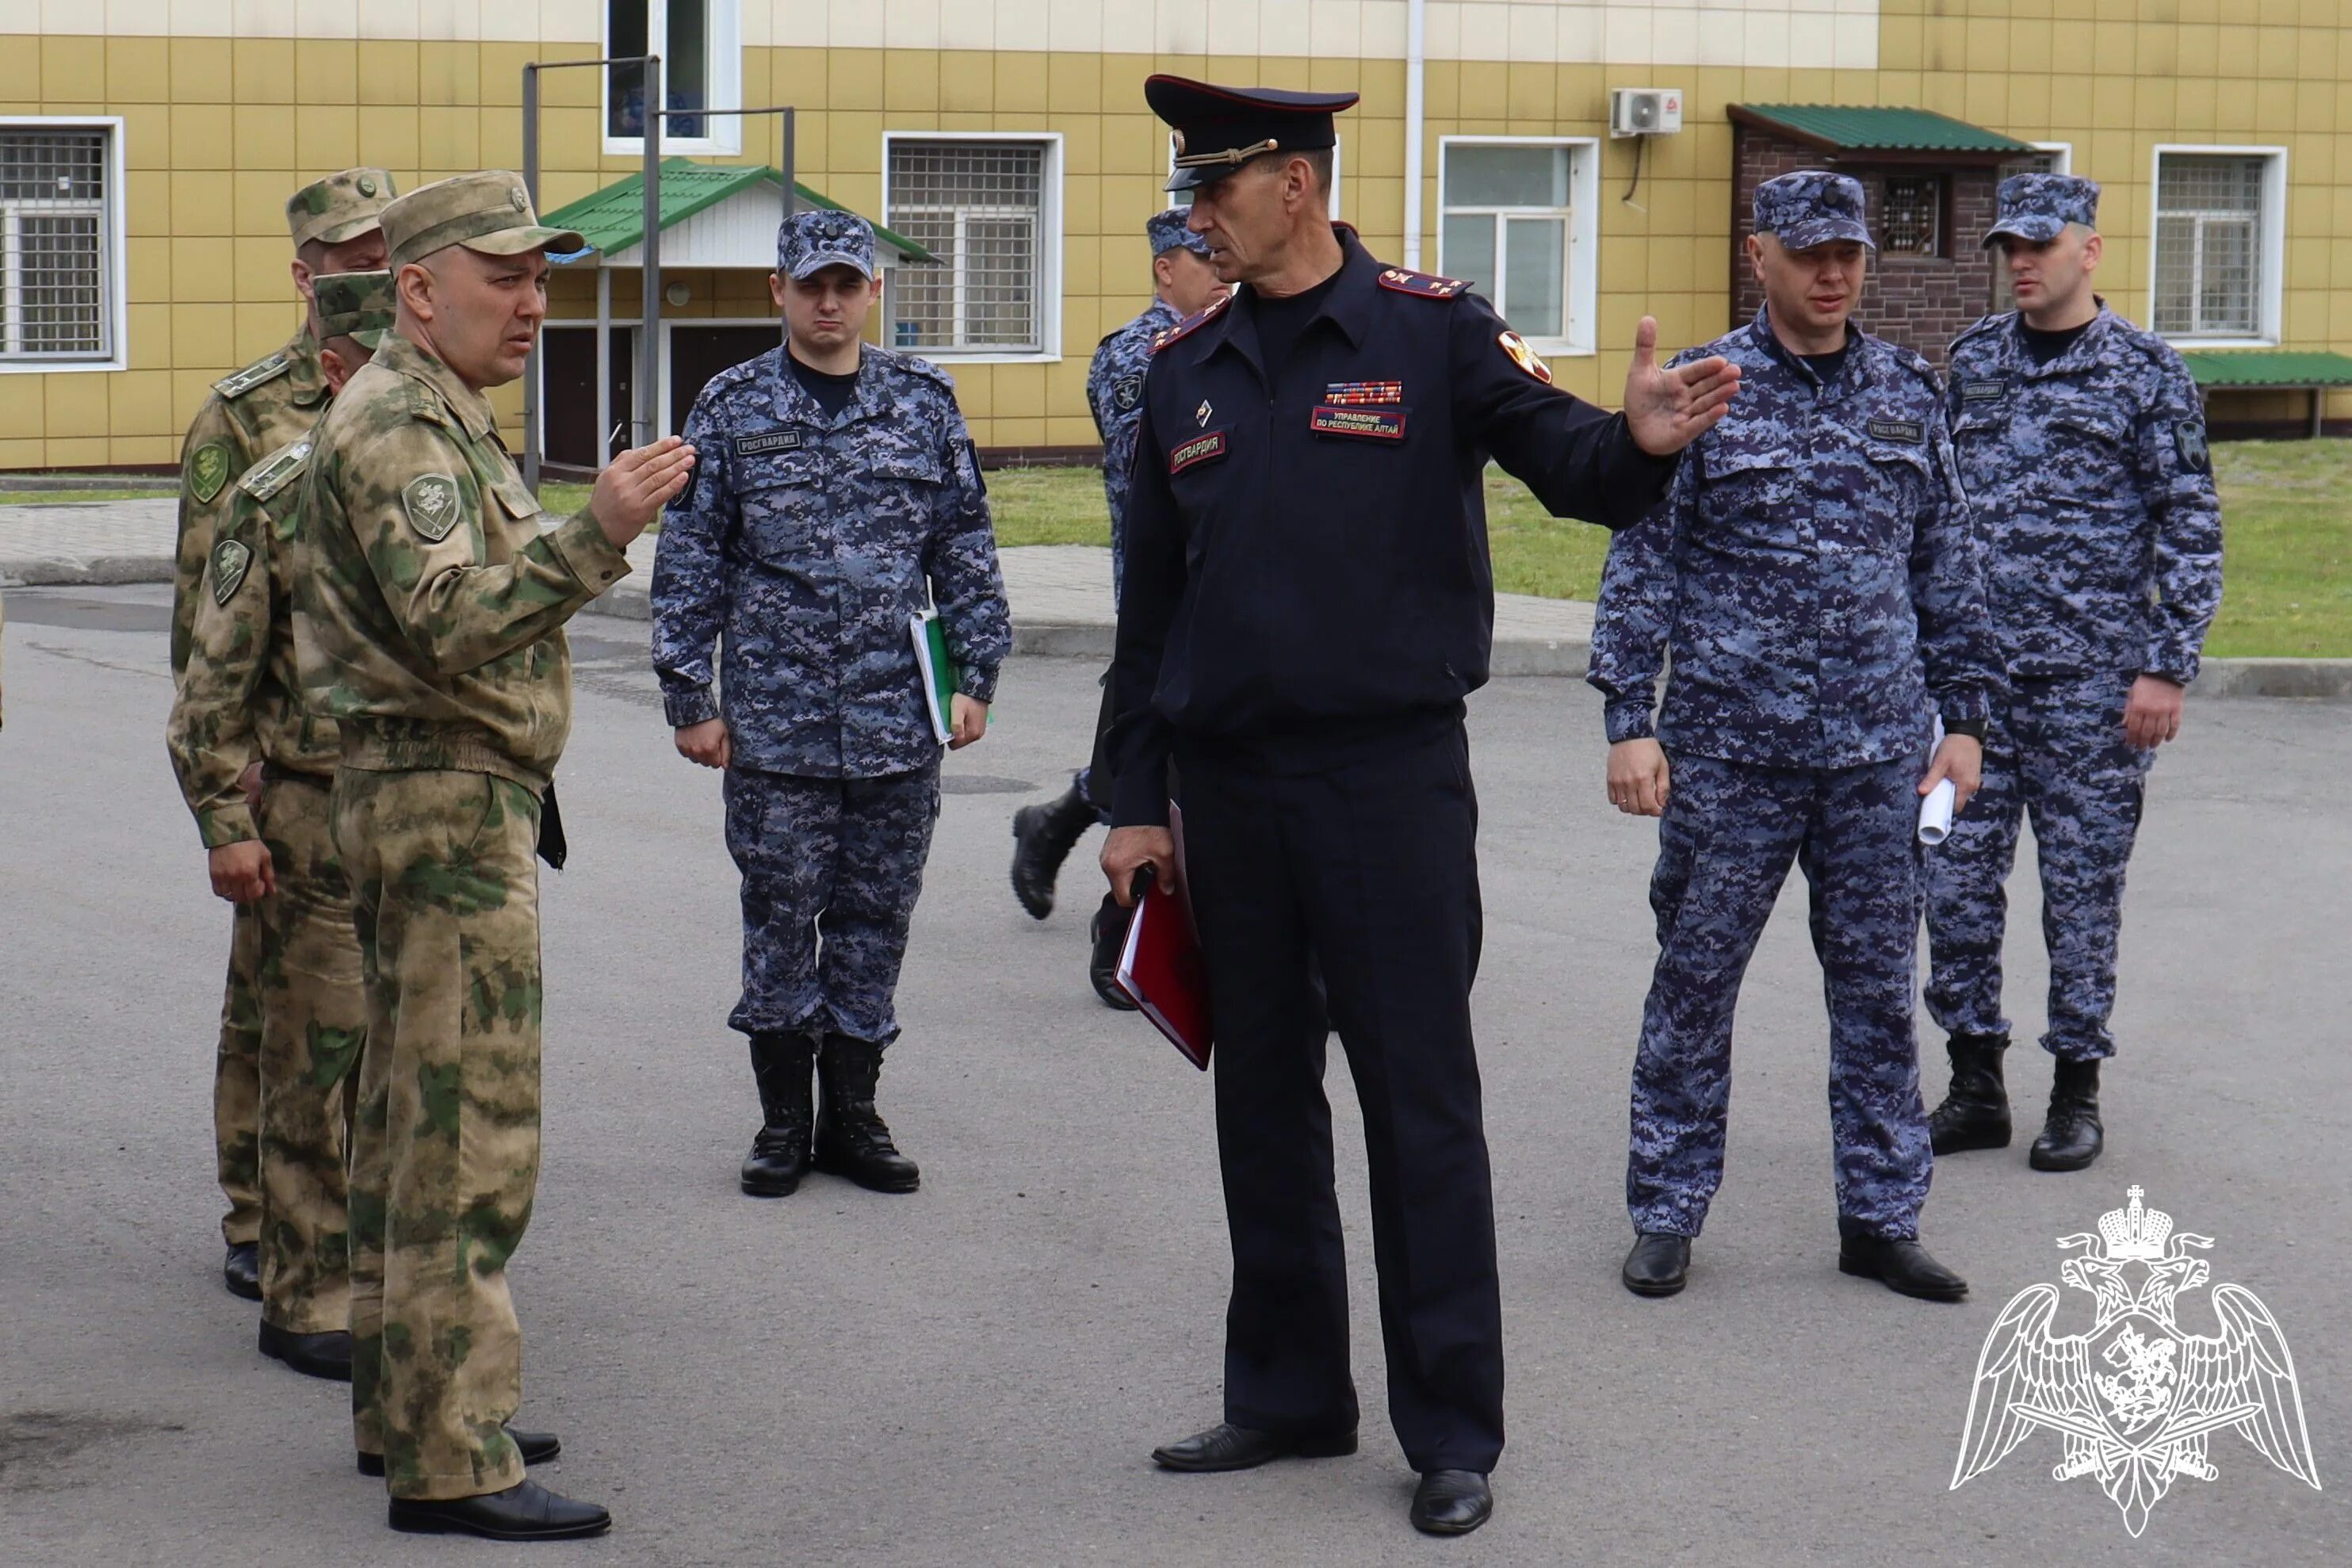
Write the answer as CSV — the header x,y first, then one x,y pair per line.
x,y
2270,257
1049,242
2062,155
1580,312
725,20
116,258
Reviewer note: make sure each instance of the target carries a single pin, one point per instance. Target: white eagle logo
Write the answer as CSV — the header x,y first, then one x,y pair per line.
x,y
2135,1398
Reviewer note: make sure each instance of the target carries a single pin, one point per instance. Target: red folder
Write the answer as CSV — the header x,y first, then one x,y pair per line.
x,y
1160,969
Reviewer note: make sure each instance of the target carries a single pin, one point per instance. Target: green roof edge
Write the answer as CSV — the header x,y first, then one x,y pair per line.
x,y
744,175
2244,367
1776,113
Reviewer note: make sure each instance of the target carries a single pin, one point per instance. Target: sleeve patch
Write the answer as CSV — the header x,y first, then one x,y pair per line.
x,y
207,471
1525,358
2188,437
431,502
231,561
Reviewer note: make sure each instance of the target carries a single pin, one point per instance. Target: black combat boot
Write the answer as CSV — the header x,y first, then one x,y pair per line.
x,y
851,1140
779,1154
1110,934
2072,1136
1975,1114
1041,837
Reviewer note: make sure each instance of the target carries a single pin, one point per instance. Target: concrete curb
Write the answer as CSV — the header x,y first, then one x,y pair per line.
x,y
2316,679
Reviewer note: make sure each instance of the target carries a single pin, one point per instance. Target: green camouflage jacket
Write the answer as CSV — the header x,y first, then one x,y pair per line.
x,y
240,698
259,410
429,605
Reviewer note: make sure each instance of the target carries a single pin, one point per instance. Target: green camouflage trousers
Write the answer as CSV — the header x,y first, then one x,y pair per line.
x,y
313,1017
237,1084
445,1137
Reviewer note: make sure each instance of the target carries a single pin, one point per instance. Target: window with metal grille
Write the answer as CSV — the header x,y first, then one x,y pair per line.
x,y
979,207
1911,222
2209,233
1505,226
55,239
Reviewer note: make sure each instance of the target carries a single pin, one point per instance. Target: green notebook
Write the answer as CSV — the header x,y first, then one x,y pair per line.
x,y
939,671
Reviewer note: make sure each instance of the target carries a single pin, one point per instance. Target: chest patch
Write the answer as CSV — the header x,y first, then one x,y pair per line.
x,y
1983,390
1126,393
231,561
1200,449
1909,430
1387,424
207,472
431,502
768,441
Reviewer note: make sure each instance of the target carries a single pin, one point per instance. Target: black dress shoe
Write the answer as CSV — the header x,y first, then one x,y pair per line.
x,y
536,1449
1226,1446
524,1512
1902,1266
241,1270
327,1355
2071,1135
1451,1502
1657,1263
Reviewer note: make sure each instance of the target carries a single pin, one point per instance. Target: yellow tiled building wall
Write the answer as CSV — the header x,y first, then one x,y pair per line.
x,y
219,129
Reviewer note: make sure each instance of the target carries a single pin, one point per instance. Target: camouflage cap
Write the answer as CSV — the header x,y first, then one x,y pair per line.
x,y
1810,207
2037,207
340,207
488,212
1170,229
808,241
354,305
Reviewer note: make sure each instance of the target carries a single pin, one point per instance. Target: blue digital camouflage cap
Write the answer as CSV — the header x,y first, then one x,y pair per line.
x,y
1810,207
1169,229
807,242
2037,207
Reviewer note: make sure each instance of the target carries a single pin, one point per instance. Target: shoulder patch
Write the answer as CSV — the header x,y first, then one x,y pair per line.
x,y
231,560
276,471
1525,358
207,471
2189,439
253,375
1427,284
1192,323
432,504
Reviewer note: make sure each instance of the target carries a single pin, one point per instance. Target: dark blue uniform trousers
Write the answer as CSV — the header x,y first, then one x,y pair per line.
x,y
1729,832
2056,751
831,871
1362,865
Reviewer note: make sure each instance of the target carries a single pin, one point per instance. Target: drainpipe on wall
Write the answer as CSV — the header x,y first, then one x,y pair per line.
x,y
1416,17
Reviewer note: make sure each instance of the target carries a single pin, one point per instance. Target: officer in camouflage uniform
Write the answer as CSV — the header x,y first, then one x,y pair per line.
x,y
1183,283
259,411
837,497
240,702
429,607
2081,443
1815,579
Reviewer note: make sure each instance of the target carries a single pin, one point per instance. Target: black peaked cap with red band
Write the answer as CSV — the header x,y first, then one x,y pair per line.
x,y
1219,129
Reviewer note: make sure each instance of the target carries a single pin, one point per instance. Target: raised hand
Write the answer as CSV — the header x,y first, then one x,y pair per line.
x,y
1666,410
636,485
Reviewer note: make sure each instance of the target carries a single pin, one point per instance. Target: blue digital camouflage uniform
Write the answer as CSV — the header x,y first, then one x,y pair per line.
x,y
1114,382
2094,499
1813,575
804,545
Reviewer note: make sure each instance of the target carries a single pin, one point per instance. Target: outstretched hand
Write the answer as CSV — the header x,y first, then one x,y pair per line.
x,y
636,485
1666,410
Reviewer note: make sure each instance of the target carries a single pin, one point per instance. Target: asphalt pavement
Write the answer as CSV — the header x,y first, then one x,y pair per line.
x,y
976,1374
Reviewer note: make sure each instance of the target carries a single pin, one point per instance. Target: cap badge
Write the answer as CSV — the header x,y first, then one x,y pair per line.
x,y
518,199
367,184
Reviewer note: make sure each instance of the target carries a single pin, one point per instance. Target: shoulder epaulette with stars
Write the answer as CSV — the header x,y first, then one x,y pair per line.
x,y
1192,323
1428,286
253,375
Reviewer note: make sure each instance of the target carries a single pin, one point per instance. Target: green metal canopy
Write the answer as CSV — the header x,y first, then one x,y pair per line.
x,y
614,218
2267,367
1896,132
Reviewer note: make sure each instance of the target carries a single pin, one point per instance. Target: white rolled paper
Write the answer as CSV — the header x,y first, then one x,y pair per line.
x,y
1935,814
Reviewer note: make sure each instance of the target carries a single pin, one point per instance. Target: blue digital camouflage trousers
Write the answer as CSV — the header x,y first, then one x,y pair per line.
x,y
2056,751
1725,844
831,867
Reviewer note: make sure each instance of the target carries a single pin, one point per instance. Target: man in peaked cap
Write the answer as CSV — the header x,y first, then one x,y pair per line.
x,y
1183,283
261,409
1815,578
240,705
1307,602
838,498
429,611
2082,442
